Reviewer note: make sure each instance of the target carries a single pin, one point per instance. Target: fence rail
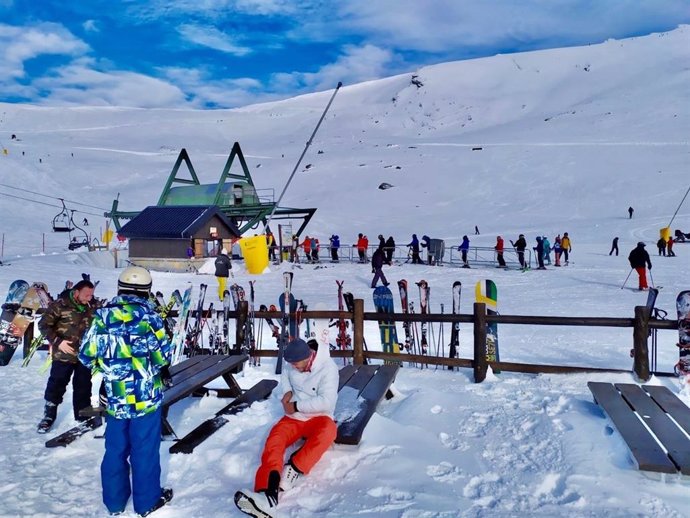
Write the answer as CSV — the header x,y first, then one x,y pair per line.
x,y
641,323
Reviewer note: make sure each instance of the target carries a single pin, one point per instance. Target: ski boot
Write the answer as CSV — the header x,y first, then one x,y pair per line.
x,y
166,496
49,415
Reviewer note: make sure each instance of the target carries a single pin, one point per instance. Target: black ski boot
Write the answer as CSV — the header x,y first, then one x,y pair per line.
x,y
166,496
49,415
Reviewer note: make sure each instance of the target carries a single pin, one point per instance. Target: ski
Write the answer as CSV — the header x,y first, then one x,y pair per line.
x,y
343,340
455,332
285,301
402,288
180,330
424,292
74,433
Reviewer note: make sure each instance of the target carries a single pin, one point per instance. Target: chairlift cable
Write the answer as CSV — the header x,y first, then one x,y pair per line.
x,y
48,204
54,197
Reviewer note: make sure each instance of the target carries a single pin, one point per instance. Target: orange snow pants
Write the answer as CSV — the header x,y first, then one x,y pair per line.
x,y
642,273
319,433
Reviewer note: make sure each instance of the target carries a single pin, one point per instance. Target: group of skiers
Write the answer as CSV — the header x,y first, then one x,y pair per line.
x,y
125,340
665,247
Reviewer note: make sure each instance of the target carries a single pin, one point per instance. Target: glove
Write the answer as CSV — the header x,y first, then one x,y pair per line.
x,y
273,488
166,377
650,266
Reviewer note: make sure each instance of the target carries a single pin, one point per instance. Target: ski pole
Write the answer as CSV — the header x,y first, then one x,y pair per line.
x,y
651,278
626,279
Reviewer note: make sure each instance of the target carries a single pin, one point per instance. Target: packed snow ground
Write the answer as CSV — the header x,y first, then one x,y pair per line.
x,y
570,139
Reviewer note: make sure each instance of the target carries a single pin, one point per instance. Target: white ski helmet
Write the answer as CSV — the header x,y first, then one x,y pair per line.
x,y
135,278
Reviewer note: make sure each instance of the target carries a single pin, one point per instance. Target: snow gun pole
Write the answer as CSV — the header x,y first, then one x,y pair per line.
x,y
270,216
679,206
626,279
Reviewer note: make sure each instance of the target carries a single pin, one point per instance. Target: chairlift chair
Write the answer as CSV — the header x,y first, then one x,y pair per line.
x,y
61,222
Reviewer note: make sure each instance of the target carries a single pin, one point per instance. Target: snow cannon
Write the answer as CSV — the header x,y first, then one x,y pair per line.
x,y
665,233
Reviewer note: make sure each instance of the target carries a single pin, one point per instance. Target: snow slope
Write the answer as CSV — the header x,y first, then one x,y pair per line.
x,y
570,138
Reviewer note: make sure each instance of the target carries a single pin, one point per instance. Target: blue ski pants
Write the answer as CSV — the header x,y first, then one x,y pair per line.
x,y
134,442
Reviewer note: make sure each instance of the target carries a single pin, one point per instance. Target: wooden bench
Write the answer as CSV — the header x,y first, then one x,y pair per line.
x,y
652,421
360,389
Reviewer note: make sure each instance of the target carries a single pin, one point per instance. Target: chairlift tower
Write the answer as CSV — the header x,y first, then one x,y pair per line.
x,y
234,193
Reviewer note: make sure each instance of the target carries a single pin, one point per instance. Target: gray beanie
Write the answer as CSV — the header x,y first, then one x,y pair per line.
x,y
296,351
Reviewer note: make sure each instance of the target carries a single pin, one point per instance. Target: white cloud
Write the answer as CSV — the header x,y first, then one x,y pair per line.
x,y
20,44
356,64
80,83
212,38
91,26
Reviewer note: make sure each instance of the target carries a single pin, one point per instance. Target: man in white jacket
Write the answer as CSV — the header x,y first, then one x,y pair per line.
x,y
310,392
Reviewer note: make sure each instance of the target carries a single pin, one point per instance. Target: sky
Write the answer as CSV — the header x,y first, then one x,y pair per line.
x,y
227,53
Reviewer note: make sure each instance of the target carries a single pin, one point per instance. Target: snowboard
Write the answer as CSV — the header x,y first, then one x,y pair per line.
x,y
486,292
683,310
383,302
15,294
73,434
34,298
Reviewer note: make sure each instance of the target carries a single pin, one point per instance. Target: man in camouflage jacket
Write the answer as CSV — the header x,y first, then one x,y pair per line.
x,y
64,324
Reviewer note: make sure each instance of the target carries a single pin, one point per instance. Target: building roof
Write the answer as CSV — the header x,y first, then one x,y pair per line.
x,y
173,222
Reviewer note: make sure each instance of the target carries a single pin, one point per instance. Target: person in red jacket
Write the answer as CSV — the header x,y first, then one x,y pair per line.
x,y
669,248
499,252
361,245
306,245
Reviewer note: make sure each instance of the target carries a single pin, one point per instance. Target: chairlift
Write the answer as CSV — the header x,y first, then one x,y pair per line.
x,y
61,222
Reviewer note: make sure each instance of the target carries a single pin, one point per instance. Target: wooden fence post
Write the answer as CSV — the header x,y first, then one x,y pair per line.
x,y
480,366
640,350
358,332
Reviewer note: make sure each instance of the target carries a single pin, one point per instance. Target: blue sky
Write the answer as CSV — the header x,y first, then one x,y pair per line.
x,y
228,53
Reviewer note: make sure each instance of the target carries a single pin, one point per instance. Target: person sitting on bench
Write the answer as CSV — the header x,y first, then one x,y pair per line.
x,y
310,392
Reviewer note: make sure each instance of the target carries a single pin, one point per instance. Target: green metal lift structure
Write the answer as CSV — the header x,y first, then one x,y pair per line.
x,y
235,194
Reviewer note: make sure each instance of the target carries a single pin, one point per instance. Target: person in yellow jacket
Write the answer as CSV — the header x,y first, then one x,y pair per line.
x,y
565,246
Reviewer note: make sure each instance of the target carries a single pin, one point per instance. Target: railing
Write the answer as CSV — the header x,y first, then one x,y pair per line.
x,y
477,255
641,323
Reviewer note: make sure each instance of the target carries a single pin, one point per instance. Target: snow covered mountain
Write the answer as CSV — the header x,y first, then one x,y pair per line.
x,y
569,139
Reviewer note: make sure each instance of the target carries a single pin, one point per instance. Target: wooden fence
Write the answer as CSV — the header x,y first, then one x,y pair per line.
x,y
641,323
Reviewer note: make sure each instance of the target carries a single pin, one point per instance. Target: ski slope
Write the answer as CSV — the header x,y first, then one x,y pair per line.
x,y
570,138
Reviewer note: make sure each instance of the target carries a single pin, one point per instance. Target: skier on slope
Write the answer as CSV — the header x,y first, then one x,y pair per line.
x,y
334,241
426,243
661,246
566,246
377,261
361,245
639,258
499,252
539,252
414,247
463,249
520,246
557,250
390,248
310,392
547,249
614,246
223,271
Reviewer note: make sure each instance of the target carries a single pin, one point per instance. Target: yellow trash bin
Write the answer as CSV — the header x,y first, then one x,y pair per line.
x,y
665,233
255,252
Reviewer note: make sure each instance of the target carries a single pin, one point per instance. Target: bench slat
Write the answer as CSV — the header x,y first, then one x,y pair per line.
x,y
668,433
646,452
195,365
350,431
202,432
204,372
345,374
670,403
